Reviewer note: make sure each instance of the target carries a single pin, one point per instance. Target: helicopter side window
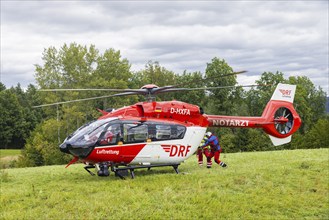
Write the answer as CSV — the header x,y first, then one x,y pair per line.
x,y
178,132
163,132
152,132
159,132
111,135
134,133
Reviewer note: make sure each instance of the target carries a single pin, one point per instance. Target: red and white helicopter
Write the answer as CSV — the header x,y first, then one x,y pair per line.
x,y
154,134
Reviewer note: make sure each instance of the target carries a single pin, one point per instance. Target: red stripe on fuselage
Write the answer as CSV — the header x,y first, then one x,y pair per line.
x,y
166,148
116,154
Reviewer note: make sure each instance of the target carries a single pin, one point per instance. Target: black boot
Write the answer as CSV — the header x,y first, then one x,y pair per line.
x,y
222,164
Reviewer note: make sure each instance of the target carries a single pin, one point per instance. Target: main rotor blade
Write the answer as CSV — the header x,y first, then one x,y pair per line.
x,y
140,91
144,91
206,88
109,90
174,87
86,99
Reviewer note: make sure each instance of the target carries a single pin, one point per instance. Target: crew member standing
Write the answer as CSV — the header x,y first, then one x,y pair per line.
x,y
214,151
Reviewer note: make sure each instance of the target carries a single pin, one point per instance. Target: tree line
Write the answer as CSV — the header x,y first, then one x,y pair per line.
x,y
39,131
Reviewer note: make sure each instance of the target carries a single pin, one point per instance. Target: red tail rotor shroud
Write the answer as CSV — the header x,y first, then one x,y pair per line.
x,y
267,121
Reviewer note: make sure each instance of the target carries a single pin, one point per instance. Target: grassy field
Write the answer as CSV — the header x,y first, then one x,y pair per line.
x,y
259,185
7,156
9,152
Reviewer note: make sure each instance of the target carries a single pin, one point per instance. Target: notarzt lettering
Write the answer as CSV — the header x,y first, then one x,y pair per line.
x,y
230,122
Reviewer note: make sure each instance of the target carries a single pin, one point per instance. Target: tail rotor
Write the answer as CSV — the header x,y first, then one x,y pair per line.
x,y
283,120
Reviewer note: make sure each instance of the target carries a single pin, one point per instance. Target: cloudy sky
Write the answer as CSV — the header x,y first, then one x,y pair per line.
x,y
287,36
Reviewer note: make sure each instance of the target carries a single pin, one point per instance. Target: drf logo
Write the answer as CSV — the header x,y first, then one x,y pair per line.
x,y
174,150
285,92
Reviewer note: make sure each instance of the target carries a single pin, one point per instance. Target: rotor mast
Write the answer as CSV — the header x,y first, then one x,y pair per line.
x,y
149,95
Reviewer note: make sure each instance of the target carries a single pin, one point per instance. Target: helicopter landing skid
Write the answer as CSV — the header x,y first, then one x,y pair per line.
x,y
89,167
119,170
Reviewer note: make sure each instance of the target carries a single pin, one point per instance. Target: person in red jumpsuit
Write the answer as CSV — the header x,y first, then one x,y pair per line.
x,y
201,150
214,151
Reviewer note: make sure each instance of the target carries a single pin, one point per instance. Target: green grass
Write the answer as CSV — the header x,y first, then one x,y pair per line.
x,y
8,157
259,185
9,152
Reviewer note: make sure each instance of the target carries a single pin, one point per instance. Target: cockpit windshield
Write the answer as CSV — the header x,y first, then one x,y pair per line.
x,y
88,134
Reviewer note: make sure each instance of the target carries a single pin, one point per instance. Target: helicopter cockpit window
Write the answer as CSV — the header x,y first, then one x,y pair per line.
x,y
79,129
111,135
89,134
133,133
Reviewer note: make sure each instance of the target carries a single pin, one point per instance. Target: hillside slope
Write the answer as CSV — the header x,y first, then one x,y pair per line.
x,y
279,184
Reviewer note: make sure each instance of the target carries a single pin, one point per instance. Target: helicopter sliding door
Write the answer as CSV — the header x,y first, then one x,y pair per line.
x,y
134,139
161,138
151,135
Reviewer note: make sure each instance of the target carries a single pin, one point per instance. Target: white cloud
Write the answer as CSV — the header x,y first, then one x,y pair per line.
x,y
288,36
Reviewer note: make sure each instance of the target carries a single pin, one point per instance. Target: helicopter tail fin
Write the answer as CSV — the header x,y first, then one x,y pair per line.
x,y
280,141
284,92
282,115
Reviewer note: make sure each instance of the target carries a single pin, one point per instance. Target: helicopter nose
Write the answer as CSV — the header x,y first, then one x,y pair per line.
x,y
77,151
64,148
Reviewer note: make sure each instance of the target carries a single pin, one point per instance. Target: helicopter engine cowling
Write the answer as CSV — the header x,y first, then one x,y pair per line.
x,y
173,110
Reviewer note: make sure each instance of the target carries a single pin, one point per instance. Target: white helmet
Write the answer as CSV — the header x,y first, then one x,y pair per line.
x,y
208,134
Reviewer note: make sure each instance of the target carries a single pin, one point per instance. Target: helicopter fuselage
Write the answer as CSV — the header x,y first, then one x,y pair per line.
x,y
144,134
167,133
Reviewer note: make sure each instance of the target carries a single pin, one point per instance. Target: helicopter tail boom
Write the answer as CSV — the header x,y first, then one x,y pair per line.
x,y
279,119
